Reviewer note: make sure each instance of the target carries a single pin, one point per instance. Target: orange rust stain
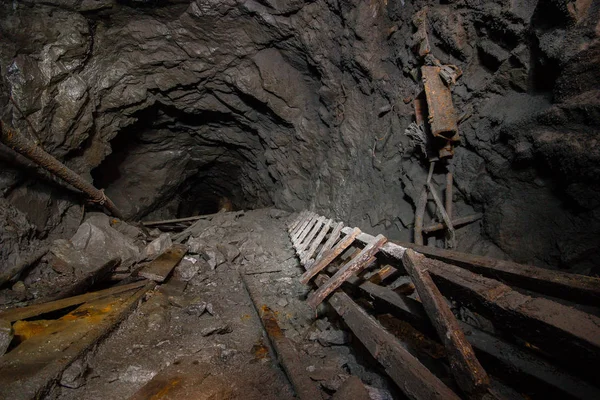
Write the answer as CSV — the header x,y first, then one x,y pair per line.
x,y
260,351
245,317
173,383
269,320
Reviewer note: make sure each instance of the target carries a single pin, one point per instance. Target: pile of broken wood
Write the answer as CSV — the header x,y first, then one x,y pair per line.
x,y
520,330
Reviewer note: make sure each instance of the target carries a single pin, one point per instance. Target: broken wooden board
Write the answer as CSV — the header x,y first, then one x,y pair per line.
x,y
466,369
316,242
563,332
329,256
412,377
578,288
47,348
354,266
524,367
22,313
442,116
160,268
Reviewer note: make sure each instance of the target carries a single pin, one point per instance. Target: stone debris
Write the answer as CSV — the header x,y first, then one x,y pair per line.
x,y
156,247
73,376
216,330
6,335
187,268
136,374
196,309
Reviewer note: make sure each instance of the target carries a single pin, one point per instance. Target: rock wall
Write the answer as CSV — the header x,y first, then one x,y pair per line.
x,y
303,104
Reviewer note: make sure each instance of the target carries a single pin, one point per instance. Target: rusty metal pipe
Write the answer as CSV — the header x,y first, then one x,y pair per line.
x,y
30,150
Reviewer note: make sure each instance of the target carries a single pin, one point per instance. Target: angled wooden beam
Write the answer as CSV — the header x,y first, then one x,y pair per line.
x,y
525,368
466,369
353,266
578,288
315,244
563,332
412,377
329,256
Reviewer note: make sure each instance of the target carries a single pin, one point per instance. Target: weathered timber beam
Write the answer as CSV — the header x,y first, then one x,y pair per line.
x,y
523,367
578,288
303,244
354,266
332,239
296,221
33,152
411,376
160,268
307,221
466,369
563,332
456,222
305,232
186,219
329,256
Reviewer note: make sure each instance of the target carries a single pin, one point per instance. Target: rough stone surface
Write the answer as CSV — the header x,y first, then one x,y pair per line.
x,y
175,106
6,335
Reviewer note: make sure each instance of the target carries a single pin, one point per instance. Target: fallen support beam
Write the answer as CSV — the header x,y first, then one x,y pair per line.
x,y
329,256
47,348
412,377
577,288
354,266
523,367
33,152
22,313
186,219
560,331
466,369
160,268
456,222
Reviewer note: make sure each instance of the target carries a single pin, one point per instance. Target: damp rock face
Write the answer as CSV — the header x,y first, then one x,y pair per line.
x,y
174,106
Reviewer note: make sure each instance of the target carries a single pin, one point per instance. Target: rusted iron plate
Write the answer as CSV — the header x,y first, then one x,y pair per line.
x,y
442,116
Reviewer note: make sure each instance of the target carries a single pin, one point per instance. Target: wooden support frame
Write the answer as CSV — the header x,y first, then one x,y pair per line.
x,y
307,255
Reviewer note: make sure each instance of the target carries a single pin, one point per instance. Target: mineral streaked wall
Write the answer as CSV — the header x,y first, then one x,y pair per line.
x,y
287,96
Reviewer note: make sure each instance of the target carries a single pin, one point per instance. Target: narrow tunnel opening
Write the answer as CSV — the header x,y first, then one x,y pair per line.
x,y
171,164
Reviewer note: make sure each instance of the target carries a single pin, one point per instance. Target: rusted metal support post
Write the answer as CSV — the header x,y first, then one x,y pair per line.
x,y
30,150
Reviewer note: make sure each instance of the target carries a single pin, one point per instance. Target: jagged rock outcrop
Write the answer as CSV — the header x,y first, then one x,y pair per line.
x,y
172,105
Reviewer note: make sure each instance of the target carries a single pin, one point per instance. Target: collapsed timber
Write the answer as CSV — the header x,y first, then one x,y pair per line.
x,y
538,344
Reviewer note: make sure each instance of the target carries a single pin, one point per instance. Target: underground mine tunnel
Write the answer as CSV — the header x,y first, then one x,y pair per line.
x,y
314,199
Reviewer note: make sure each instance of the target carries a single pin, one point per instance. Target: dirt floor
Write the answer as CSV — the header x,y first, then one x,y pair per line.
x,y
199,335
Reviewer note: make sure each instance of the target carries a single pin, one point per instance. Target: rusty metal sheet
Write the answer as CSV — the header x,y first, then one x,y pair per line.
x,y
442,116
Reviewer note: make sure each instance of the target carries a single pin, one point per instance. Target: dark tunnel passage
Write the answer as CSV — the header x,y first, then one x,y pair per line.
x,y
173,164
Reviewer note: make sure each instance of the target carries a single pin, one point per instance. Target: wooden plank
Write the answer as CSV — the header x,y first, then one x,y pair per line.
x,y
305,215
332,239
307,230
466,369
186,219
38,362
563,332
456,222
353,266
578,288
159,269
382,274
315,244
309,238
329,256
412,377
22,313
307,220
525,368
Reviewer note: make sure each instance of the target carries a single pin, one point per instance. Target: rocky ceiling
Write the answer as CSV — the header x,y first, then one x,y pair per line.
x,y
172,106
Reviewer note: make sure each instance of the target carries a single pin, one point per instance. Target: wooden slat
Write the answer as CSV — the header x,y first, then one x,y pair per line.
x,y
578,288
525,368
309,218
309,238
22,313
307,230
561,331
466,369
353,266
303,218
332,239
412,377
329,256
296,221
160,268
315,244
